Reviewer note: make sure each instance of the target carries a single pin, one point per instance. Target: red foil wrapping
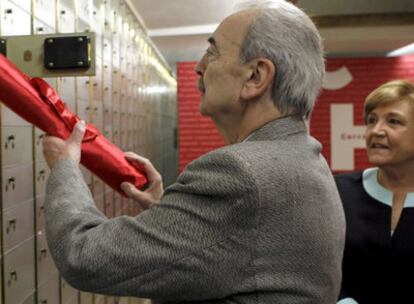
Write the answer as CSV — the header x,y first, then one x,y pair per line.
x,y
38,103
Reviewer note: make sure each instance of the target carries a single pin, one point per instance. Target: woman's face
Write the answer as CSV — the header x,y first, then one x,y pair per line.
x,y
389,135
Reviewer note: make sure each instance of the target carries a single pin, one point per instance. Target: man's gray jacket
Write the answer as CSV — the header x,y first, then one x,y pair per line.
x,y
255,222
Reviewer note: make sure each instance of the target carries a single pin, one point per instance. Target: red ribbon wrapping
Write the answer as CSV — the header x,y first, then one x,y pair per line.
x,y
37,102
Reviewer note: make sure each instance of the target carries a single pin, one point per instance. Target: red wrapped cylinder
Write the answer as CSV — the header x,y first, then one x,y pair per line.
x,y
38,103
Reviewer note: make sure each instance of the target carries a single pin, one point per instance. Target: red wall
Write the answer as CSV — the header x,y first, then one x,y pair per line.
x,y
336,121
197,135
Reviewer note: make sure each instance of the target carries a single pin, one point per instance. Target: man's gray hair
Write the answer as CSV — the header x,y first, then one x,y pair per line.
x,y
284,34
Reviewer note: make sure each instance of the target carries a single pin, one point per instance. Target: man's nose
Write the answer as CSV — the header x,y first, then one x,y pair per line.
x,y
200,67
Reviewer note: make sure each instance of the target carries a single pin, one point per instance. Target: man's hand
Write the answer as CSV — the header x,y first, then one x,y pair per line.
x,y
155,189
55,148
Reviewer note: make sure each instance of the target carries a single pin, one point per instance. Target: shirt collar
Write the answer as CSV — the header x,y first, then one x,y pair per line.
x,y
378,192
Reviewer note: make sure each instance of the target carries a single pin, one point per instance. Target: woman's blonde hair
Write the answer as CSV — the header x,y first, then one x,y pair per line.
x,y
390,92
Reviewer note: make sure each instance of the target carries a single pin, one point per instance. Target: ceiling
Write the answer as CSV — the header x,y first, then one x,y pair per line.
x,y
180,28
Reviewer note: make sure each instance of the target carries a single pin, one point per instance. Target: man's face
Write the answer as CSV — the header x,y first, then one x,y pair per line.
x,y
220,70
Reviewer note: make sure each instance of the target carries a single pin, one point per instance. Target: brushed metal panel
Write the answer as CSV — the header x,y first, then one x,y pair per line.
x,y
109,203
99,299
69,295
17,183
84,11
38,144
45,11
24,4
100,202
15,21
18,224
98,186
16,145
31,299
19,273
44,261
42,172
67,92
9,118
66,17
83,90
40,27
40,213
86,298
48,292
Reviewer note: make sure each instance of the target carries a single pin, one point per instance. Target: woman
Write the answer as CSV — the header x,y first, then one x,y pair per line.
x,y
378,265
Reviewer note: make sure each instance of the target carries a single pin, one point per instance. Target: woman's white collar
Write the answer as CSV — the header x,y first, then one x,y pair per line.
x,y
378,192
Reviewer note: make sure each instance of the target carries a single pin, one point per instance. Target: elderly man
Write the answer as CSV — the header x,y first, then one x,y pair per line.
x,y
258,221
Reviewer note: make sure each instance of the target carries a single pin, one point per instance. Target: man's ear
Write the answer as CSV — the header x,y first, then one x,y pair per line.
x,y
260,75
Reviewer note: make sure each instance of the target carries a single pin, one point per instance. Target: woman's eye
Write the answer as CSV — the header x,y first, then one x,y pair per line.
x,y
371,120
394,121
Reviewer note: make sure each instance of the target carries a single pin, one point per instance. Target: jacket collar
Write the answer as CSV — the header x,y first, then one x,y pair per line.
x,y
279,128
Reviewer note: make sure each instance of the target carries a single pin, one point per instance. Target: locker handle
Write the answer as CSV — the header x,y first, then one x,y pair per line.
x,y
11,181
39,138
41,175
62,12
12,224
43,252
10,140
40,29
43,301
8,11
13,276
